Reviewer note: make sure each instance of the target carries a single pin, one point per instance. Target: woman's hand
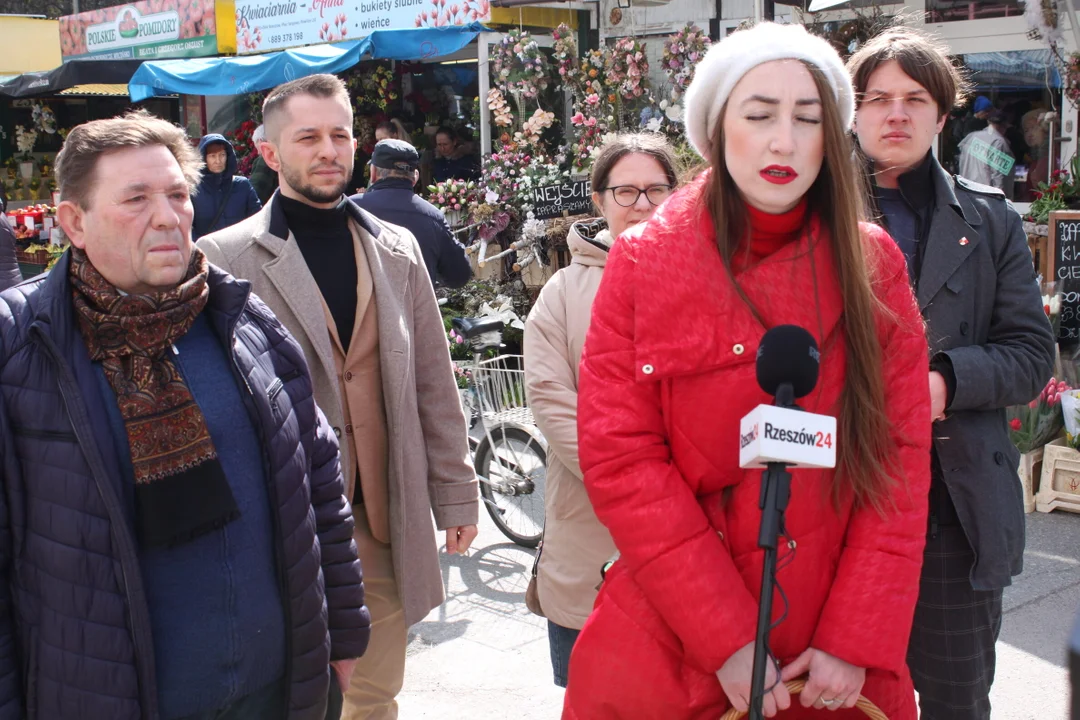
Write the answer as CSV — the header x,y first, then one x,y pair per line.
x,y
735,679
833,683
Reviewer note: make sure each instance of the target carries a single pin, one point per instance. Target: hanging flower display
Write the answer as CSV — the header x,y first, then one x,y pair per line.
x,y
535,126
592,73
566,58
519,65
682,52
500,110
590,130
44,119
1072,77
627,69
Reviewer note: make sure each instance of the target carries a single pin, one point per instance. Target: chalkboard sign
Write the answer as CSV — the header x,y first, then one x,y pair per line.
x,y
551,201
1063,250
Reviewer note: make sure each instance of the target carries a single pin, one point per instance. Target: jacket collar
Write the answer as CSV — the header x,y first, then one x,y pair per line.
x,y
390,256
275,226
689,316
589,242
917,185
391,183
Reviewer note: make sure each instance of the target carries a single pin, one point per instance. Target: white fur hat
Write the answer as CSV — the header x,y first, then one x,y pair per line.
x,y
727,61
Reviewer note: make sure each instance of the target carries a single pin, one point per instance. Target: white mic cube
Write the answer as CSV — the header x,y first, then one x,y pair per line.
x,y
774,434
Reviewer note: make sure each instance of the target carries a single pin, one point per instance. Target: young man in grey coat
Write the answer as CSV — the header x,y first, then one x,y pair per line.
x,y
991,346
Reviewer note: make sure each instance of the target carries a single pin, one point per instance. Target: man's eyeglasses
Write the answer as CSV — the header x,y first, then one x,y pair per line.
x,y
627,195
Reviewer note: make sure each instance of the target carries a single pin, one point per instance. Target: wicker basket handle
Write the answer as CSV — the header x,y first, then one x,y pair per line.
x,y
795,686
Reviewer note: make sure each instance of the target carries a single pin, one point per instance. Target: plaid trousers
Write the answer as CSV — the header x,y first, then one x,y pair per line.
x,y
951,652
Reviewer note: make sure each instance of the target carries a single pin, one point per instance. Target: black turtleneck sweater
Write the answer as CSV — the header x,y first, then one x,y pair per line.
x,y
327,245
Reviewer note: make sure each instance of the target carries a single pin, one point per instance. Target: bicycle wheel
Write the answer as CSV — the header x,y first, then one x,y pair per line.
x,y
513,472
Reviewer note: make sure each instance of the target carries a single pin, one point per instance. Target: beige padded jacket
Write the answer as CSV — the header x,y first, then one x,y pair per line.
x,y
576,545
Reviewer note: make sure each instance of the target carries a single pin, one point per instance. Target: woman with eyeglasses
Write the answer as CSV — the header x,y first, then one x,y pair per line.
x,y
768,235
633,174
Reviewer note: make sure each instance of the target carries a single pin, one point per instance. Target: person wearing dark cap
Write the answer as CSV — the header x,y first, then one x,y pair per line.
x,y
390,198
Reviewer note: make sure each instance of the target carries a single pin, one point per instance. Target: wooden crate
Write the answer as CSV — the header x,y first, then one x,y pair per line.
x,y
1030,471
1059,484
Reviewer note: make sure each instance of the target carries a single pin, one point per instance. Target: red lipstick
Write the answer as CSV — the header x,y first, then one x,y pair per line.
x,y
779,174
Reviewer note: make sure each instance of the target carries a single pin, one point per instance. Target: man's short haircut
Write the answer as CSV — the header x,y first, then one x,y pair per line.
x,y
922,58
259,135
321,86
85,144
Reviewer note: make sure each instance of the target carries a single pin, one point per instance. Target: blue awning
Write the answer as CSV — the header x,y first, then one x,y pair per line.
x,y
249,73
1017,69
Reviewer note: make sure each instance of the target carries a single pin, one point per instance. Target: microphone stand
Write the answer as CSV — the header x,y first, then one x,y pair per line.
x,y
775,493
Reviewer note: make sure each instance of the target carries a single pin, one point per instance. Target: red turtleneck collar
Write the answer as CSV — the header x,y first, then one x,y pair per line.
x,y
769,233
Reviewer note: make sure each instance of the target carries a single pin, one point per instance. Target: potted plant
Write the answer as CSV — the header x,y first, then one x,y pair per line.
x,y
25,140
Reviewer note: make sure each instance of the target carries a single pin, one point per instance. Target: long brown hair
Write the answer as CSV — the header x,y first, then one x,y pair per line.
x,y
838,197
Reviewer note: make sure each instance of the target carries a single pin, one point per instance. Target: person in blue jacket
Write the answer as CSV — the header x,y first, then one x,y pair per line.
x,y
223,197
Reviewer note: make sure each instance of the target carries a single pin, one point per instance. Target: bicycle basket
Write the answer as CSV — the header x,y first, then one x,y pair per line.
x,y
500,385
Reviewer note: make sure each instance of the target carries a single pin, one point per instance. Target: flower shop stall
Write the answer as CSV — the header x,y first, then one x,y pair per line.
x,y
548,111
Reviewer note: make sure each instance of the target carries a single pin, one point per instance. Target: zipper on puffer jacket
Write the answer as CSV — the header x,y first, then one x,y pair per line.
x,y
44,434
138,610
275,516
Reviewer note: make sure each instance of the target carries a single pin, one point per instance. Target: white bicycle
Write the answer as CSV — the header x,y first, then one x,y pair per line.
x,y
511,458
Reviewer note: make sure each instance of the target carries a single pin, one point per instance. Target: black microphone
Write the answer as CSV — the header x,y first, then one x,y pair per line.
x,y
788,361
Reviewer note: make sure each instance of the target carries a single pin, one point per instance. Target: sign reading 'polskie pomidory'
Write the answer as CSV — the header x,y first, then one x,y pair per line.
x,y
147,29
265,25
130,27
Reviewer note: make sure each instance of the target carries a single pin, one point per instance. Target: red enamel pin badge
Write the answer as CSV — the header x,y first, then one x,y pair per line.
x,y
963,241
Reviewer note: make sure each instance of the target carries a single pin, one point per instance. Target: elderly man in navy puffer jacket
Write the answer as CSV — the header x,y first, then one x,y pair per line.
x,y
174,540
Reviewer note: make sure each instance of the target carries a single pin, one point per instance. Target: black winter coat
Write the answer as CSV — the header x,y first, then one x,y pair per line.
x,y
985,318
392,200
74,623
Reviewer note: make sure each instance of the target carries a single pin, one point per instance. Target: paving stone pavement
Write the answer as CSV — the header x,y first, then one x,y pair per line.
x,y
483,656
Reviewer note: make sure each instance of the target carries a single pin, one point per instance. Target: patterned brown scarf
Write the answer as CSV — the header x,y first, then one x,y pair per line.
x,y
181,491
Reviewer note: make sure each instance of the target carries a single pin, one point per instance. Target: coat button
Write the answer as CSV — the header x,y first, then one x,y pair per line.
x,y
738,349
964,327
348,377
337,431
348,429
999,457
647,369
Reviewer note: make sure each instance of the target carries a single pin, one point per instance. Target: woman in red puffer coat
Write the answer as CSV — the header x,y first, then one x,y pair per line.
x,y
768,236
